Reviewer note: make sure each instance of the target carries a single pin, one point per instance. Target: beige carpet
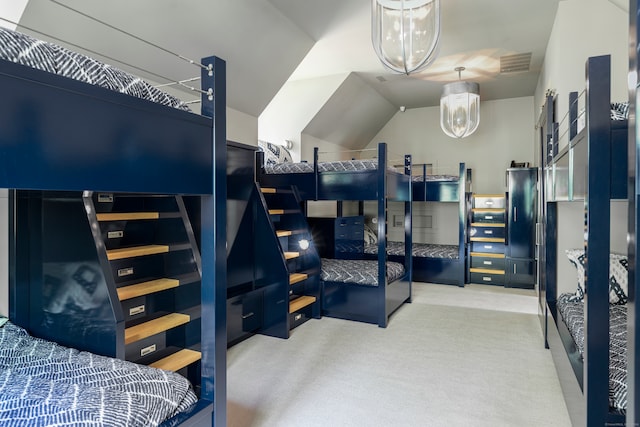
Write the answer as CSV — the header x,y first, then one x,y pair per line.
x,y
471,356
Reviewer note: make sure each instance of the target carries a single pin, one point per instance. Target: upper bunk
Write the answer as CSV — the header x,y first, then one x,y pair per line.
x,y
72,125
428,186
355,179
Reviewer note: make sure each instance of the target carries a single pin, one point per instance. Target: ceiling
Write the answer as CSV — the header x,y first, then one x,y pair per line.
x,y
269,42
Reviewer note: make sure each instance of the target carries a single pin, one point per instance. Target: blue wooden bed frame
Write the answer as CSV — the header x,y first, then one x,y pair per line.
x,y
349,301
606,145
64,135
444,270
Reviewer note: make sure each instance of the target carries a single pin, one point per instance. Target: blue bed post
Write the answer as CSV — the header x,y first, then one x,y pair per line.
x,y
408,217
462,223
382,235
214,257
597,244
633,328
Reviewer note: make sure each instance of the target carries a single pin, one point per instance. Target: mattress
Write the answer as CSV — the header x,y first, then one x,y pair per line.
x,y
26,50
418,250
358,272
435,178
44,383
336,166
572,312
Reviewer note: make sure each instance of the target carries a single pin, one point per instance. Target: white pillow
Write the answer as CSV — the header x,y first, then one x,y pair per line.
x,y
618,278
274,154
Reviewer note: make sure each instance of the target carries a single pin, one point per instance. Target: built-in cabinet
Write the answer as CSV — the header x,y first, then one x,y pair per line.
x,y
521,227
340,238
501,233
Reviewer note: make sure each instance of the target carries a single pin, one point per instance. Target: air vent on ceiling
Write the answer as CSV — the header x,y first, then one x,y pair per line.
x,y
515,63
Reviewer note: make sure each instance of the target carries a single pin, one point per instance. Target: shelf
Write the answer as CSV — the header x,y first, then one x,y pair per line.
x,y
155,326
145,288
126,216
297,277
177,360
301,302
291,255
136,251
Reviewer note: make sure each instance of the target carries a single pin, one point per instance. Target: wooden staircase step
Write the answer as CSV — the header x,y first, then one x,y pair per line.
x,y
267,190
488,239
487,224
120,253
145,288
486,254
284,233
126,216
297,277
485,271
155,326
282,211
301,302
291,255
177,360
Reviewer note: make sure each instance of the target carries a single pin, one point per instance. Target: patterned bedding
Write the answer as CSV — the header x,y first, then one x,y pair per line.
x,y
44,383
26,50
359,272
429,178
572,313
418,250
337,166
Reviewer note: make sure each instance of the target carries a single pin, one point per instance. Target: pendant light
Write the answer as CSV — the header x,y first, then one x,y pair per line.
x,y
460,107
405,33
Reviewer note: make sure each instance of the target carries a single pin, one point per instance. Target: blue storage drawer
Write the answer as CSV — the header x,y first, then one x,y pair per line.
x,y
486,230
490,247
479,260
488,215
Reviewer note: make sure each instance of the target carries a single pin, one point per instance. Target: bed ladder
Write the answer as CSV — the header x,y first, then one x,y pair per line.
x,y
288,265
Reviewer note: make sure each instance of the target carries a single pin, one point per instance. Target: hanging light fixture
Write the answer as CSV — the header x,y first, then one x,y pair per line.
x,y
460,107
405,33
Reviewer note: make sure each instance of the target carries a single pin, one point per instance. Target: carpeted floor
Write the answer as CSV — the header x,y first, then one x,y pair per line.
x,y
469,356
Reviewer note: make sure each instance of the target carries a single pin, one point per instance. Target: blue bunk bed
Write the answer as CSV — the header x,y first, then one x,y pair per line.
x,y
436,263
387,286
68,132
587,330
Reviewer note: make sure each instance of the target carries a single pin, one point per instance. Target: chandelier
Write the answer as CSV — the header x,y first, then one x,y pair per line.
x,y
405,33
460,107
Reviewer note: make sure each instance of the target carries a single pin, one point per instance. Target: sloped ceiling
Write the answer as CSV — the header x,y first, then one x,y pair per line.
x,y
268,42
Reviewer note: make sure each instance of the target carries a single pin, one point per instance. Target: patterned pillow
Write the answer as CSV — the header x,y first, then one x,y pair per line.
x,y
618,279
274,154
370,236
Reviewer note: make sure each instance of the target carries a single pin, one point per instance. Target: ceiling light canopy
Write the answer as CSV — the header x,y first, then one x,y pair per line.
x,y
460,107
405,33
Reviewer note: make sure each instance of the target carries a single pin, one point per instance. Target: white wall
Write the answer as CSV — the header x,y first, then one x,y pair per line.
x,y
242,127
505,133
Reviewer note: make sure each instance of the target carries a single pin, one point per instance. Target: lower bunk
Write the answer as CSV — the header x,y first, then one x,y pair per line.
x,y
432,263
351,290
45,383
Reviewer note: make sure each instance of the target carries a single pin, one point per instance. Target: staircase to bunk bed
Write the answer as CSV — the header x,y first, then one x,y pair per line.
x,y
287,263
115,274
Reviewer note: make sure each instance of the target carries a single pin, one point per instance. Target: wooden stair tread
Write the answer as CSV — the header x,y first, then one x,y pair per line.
x,y
177,360
488,239
283,233
297,277
493,196
291,255
155,326
145,288
282,211
486,255
487,224
487,210
120,253
485,270
126,216
301,302
268,190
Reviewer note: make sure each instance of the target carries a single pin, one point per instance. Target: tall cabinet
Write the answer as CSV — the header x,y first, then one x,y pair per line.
x,y
521,225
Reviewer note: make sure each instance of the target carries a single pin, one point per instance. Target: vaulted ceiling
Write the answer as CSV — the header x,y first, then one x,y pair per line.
x,y
267,43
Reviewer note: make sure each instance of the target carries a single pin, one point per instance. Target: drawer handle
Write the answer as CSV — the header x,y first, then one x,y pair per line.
x,y
487,262
246,316
136,310
489,202
125,272
115,234
488,217
488,231
486,279
488,246
147,350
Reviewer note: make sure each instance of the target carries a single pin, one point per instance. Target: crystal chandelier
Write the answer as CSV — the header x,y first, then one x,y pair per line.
x,y
460,107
